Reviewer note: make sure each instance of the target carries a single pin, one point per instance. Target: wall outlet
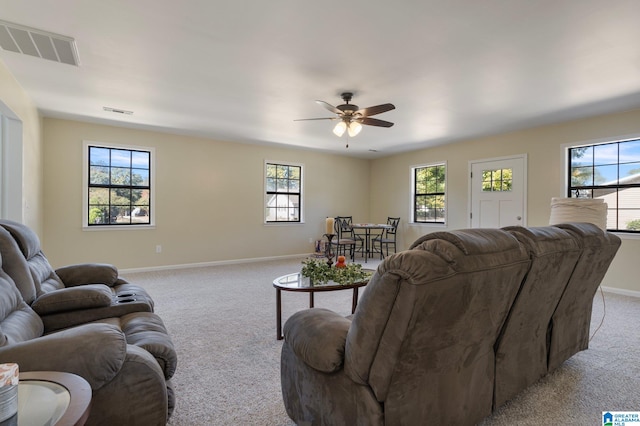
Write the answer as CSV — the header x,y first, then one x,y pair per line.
x,y
310,240
158,248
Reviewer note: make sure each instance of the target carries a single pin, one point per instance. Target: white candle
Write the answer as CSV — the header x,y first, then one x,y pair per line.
x,y
330,225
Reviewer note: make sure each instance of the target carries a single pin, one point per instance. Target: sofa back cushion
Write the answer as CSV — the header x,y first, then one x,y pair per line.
x,y
44,277
571,321
16,266
42,273
424,331
18,322
523,346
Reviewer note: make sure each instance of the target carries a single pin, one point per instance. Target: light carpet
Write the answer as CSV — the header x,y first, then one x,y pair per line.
x,y
222,322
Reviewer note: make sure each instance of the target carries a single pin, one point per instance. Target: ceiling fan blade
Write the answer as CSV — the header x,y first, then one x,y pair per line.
x,y
378,109
323,118
374,122
329,107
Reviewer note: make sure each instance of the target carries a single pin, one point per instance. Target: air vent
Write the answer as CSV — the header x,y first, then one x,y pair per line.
x,y
41,44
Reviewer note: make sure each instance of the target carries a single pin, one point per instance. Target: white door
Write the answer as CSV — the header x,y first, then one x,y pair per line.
x,y
498,192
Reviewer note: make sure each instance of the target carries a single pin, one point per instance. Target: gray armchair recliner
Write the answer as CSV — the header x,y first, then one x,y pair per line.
x,y
420,345
122,349
67,296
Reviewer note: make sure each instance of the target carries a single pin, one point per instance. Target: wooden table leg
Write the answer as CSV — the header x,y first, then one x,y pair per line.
x,y
354,302
278,314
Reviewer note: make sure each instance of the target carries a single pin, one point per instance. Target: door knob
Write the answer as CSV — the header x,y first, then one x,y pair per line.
x,y
519,217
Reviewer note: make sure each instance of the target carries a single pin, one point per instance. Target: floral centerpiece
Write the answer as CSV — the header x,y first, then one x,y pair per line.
x,y
318,271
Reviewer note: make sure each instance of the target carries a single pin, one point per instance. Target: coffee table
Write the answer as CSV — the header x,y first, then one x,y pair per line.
x,y
296,282
53,398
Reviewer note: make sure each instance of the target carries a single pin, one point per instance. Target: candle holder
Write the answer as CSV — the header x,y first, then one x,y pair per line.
x,y
327,250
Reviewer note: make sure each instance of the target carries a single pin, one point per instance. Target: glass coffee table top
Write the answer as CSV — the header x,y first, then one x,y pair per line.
x,y
41,403
52,398
297,283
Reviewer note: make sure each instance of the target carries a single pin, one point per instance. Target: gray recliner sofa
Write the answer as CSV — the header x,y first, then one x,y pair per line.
x,y
126,355
70,295
447,331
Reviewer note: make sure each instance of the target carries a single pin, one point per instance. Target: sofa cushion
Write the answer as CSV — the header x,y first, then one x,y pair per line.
x,y
95,352
27,240
147,331
317,336
571,320
522,350
43,275
18,322
74,298
75,275
15,265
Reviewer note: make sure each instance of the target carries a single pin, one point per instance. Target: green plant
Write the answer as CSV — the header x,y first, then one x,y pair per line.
x,y
319,271
95,215
634,225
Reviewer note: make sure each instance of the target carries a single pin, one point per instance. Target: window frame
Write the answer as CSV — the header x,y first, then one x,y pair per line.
x,y
86,185
414,194
568,187
266,194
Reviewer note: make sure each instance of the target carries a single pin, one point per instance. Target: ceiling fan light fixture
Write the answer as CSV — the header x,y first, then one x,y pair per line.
x,y
351,117
340,128
354,128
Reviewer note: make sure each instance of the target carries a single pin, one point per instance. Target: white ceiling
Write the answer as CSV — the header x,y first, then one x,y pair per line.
x,y
244,70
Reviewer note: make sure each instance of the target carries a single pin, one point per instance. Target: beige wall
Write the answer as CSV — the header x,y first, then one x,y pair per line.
x,y
16,100
545,177
209,199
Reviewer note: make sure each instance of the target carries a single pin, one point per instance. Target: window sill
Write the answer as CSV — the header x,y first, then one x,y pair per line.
x,y
626,235
427,224
119,228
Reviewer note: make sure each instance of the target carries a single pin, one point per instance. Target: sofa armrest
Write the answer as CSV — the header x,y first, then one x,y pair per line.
x,y
88,273
95,352
72,299
317,336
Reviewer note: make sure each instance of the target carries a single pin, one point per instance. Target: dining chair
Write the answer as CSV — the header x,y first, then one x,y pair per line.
x,y
347,239
387,237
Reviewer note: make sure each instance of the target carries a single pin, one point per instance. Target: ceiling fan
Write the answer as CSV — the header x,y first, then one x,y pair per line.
x,y
351,117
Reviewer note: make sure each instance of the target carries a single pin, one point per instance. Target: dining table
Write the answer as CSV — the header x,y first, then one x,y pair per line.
x,y
367,228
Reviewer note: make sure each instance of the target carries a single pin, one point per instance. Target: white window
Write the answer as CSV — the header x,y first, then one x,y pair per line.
x,y
429,193
283,193
608,171
118,186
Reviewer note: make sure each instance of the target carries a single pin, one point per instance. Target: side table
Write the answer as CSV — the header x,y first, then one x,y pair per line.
x,y
52,398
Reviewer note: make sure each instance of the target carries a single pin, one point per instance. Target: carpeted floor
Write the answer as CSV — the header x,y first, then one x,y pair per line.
x,y
222,322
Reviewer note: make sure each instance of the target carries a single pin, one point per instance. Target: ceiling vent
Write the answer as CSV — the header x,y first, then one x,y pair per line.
x,y
38,43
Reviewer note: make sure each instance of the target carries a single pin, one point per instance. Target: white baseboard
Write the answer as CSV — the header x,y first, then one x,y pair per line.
x,y
213,263
622,291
